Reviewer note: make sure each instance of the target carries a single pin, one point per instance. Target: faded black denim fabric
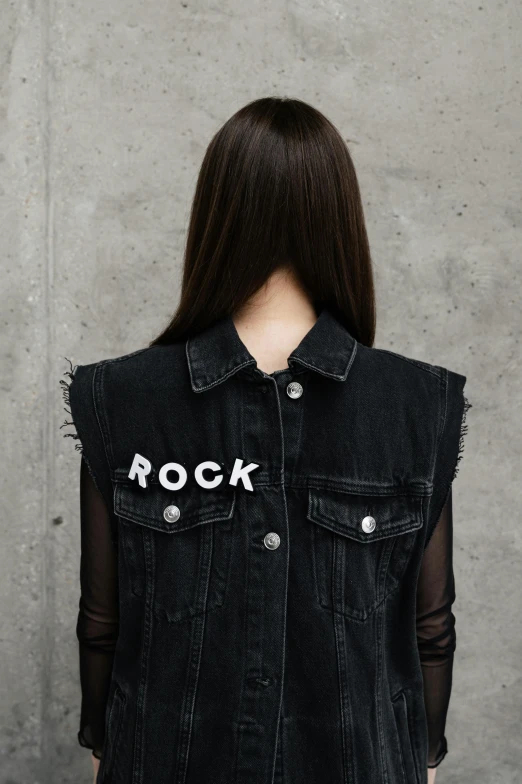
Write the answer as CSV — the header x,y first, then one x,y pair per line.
x,y
241,662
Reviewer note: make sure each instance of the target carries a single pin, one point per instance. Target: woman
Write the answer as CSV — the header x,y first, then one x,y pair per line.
x,y
266,567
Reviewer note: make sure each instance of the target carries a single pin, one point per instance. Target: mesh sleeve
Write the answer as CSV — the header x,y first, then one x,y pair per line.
x,y
436,636
98,616
97,619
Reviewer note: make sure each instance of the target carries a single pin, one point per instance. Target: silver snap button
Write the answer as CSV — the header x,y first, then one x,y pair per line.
x,y
171,513
294,390
368,524
272,541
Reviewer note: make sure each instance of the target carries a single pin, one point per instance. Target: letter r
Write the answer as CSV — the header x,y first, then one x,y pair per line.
x,y
141,468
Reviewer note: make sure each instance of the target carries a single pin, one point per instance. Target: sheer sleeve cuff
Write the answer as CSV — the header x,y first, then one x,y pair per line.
x,y
87,744
440,756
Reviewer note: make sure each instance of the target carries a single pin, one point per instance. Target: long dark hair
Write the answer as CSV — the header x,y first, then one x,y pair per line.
x,y
277,187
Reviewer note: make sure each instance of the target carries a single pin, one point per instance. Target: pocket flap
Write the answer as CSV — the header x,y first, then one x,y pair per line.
x,y
195,505
344,512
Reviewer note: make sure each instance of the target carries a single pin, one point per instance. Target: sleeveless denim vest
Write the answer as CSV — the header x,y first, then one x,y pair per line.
x,y
270,530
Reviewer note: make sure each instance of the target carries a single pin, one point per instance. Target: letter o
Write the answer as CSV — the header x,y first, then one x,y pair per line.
x,y
181,471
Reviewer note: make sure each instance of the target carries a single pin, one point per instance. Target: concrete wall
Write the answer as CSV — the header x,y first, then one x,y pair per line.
x,y
105,112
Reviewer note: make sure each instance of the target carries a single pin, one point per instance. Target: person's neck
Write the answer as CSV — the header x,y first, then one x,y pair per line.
x,y
274,320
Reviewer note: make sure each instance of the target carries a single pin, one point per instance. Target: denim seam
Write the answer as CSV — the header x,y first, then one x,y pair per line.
x,y
196,649
391,530
339,485
397,735
282,669
379,691
441,419
124,357
336,376
433,369
218,380
338,619
221,378
139,732
118,703
146,521
97,393
410,735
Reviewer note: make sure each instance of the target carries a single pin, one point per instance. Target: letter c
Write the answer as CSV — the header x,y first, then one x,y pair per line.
x,y
208,483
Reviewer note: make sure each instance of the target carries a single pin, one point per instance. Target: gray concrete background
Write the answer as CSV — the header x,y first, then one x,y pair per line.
x,y
105,112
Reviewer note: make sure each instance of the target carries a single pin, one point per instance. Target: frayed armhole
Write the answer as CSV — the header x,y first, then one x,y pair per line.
x,y
460,451
463,431
66,386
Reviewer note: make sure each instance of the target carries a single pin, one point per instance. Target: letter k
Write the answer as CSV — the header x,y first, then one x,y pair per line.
x,y
242,472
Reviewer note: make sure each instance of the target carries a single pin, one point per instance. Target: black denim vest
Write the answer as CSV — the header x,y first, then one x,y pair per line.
x,y
267,624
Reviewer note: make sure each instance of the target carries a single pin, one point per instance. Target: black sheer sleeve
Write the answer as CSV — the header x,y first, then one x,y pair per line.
x,y
436,637
97,625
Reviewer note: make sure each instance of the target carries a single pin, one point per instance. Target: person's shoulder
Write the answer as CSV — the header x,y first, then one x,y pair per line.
x,y
401,364
415,376
145,366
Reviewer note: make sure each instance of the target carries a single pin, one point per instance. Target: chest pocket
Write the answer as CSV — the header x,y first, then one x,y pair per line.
x,y
361,546
178,543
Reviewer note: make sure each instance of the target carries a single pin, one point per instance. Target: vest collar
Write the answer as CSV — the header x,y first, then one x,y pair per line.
x,y
218,352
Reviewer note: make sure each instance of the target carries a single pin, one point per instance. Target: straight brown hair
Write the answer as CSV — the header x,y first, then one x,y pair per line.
x,y
277,187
